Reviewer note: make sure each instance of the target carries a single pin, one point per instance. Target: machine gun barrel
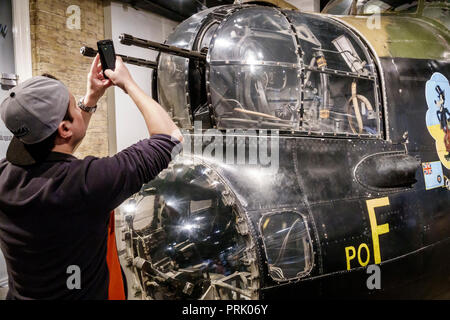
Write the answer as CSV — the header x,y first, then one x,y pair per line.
x,y
90,52
129,40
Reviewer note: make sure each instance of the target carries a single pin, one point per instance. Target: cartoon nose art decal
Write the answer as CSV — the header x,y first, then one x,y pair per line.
x,y
437,91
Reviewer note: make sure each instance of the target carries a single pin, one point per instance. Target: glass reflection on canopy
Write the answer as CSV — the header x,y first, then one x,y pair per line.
x,y
172,71
184,240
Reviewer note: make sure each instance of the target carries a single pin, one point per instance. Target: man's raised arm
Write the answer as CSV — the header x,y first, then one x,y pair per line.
x,y
156,118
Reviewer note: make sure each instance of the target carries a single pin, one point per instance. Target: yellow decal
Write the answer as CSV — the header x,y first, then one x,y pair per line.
x,y
349,257
363,263
438,134
377,230
350,254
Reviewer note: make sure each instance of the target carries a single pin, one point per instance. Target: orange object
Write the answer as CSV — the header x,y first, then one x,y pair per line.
x,y
324,114
321,62
116,289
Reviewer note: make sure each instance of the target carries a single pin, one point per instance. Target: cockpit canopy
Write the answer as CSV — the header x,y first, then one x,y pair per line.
x,y
268,68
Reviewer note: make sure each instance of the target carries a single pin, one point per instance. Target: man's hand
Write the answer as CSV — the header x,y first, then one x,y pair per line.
x,y
96,83
120,77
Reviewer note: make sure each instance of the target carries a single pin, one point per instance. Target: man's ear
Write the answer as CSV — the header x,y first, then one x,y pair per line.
x,y
65,130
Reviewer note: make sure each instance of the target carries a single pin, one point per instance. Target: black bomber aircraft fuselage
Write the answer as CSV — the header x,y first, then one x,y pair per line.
x,y
315,160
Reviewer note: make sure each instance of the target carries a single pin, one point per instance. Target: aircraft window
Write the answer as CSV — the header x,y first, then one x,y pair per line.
x,y
172,77
254,71
172,89
321,38
288,245
185,33
339,94
256,96
344,7
332,92
338,7
207,36
385,6
440,12
254,35
345,108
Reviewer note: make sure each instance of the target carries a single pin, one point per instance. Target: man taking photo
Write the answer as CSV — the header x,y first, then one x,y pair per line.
x,y
56,210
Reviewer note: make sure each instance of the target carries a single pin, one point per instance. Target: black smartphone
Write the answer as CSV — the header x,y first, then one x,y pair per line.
x,y
107,55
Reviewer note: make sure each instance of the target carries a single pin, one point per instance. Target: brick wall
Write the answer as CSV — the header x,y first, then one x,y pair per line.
x,y
56,50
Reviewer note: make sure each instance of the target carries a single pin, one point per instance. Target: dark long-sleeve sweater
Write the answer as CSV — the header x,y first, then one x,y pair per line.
x,y
55,214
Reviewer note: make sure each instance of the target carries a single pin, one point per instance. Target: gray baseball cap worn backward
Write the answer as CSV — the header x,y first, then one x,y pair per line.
x,y
32,111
